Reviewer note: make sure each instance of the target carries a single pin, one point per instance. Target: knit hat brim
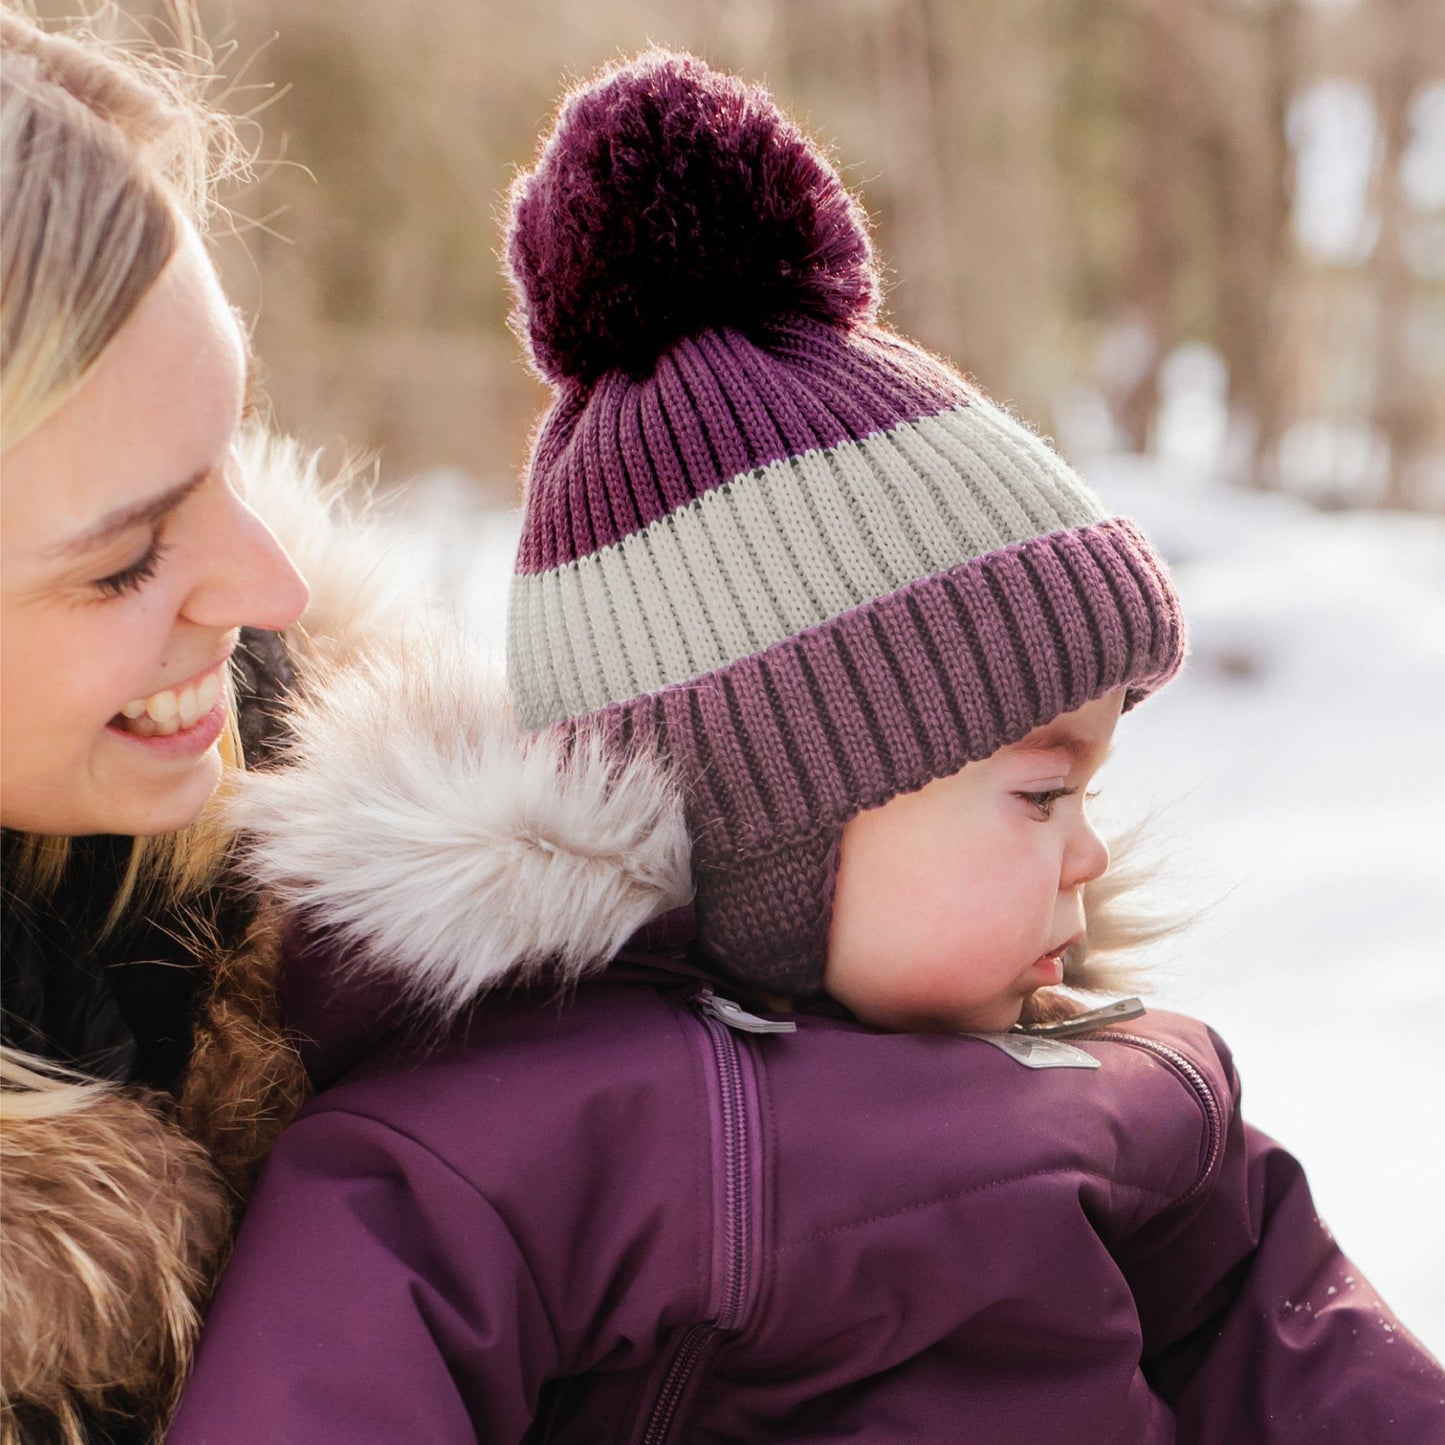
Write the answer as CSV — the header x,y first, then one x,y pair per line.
x,y
779,749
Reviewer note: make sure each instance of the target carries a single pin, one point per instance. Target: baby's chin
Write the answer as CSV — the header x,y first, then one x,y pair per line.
x,y
997,1019
990,1018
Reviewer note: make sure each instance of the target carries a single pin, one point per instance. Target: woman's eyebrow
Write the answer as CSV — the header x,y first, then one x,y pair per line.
x,y
124,518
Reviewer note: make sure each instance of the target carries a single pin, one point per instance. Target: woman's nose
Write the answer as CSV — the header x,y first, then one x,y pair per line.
x,y
250,581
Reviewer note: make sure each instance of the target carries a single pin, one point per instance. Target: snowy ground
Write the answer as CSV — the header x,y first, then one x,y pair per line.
x,y
1296,781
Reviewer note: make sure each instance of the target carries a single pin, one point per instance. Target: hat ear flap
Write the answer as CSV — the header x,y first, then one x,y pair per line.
x,y
776,938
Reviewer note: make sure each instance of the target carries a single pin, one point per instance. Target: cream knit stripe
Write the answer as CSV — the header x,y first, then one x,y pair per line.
x,y
906,688
773,552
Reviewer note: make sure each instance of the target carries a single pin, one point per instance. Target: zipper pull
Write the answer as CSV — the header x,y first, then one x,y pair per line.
x,y
725,1011
1096,1018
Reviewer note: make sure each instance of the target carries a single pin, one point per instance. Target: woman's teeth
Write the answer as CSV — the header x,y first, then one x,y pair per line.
x,y
167,712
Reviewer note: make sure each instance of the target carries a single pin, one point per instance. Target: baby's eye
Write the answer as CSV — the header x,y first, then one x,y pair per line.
x,y
1044,801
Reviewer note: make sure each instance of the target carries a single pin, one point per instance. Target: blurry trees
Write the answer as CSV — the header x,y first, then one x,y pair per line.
x,y
1400,66
1208,200
1065,191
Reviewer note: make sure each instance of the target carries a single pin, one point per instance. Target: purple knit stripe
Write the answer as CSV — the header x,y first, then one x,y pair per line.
x,y
594,476
871,370
548,459
642,492
785,389
913,685
611,462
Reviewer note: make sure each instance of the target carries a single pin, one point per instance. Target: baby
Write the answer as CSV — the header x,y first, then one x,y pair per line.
x,y
746,1114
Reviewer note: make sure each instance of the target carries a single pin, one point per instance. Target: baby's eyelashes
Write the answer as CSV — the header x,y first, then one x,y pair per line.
x,y
1044,799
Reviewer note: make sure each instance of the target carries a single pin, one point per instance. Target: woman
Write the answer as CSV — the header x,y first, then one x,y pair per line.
x,y
150,629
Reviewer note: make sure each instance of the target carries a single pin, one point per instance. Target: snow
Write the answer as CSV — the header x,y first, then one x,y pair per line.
x,y
1332,126
1422,170
1297,773
1294,779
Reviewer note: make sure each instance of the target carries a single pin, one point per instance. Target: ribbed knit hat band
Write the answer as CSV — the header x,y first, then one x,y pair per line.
x,y
816,515
798,557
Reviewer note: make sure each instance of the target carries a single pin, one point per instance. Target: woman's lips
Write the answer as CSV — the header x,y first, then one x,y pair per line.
x,y
180,722
172,710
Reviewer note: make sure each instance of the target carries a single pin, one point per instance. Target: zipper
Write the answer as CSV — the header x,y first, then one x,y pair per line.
x,y
1184,1066
737,1162
725,1011
721,1018
682,1366
1118,1012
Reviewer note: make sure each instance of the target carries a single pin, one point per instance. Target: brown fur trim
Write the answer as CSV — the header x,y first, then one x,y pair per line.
x,y
116,1212
113,1224
245,1080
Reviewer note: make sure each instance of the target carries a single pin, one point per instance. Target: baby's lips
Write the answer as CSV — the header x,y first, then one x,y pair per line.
x,y
1050,968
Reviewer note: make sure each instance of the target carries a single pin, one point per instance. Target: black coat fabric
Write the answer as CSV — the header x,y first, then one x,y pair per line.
x,y
121,1009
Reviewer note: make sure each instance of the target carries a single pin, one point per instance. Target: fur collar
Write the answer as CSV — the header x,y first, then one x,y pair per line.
x,y
448,851
360,589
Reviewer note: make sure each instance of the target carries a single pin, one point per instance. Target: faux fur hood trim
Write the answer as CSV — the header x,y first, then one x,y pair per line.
x,y
447,850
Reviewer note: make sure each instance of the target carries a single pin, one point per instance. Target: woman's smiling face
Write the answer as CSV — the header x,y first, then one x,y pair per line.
x,y
955,902
128,564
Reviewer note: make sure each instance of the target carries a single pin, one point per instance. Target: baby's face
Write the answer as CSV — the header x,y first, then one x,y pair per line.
x,y
956,902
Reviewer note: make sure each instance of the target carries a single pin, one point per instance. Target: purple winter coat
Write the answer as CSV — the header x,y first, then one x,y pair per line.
x,y
616,1215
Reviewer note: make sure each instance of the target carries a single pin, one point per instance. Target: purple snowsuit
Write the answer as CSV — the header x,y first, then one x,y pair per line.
x,y
616,1214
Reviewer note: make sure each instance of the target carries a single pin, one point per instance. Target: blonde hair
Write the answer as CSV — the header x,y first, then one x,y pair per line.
x,y
106,153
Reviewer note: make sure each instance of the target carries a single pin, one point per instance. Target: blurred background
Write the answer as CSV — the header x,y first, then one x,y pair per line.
x,y
1212,230
1201,243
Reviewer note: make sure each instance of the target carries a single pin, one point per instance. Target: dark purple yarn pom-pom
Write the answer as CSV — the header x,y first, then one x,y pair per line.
x,y
670,198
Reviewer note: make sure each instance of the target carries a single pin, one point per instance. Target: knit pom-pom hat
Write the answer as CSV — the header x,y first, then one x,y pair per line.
x,y
796,555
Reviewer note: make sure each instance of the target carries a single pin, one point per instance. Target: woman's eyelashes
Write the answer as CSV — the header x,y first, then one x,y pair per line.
x,y
136,575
